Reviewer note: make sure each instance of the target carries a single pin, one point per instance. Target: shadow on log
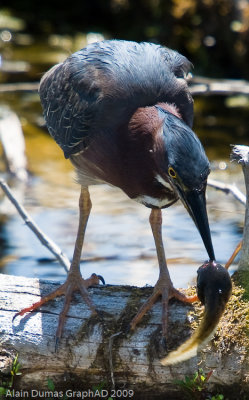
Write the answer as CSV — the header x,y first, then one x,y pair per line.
x,y
89,355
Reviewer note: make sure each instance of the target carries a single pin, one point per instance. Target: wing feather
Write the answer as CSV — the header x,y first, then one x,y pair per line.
x,y
100,87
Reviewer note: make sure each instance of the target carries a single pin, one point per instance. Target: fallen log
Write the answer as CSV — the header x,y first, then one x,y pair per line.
x,y
98,351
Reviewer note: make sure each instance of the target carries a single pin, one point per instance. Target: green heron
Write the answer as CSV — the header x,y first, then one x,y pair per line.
x,y
122,113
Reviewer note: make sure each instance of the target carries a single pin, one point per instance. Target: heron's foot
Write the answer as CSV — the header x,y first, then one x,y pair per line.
x,y
74,282
166,290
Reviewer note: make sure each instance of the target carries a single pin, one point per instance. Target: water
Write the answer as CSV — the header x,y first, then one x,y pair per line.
x,y
119,243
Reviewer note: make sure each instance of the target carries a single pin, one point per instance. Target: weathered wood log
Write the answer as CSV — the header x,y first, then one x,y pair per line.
x,y
241,154
98,350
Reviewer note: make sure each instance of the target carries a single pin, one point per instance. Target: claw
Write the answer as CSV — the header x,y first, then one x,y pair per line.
x,y
56,346
101,279
16,315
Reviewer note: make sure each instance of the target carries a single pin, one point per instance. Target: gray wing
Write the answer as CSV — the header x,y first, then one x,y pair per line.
x,y
66,112
100,86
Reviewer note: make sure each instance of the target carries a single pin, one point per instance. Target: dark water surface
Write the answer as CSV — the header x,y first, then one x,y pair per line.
x,y
119,243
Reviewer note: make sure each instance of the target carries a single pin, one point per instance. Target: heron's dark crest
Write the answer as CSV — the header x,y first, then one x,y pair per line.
x,y
184,151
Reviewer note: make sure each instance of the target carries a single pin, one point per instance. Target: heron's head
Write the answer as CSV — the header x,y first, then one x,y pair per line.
x,y
187,168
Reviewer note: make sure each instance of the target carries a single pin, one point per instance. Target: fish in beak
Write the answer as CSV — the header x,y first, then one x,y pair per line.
x,y
214,289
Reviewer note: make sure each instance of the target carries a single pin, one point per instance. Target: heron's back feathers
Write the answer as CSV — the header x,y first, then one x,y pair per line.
x,y
101,86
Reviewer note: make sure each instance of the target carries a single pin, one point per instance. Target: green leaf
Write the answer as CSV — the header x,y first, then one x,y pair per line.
x,y
99,387
18,366
196,375
15,367
51,385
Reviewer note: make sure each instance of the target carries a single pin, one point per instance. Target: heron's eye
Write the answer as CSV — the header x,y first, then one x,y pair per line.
x,y
172,172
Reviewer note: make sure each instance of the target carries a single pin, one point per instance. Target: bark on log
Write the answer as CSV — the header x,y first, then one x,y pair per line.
x,y
89,354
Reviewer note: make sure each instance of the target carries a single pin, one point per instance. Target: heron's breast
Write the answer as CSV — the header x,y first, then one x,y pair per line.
x,y
159,194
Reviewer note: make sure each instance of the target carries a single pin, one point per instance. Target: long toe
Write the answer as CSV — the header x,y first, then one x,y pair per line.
x,y
86,297
183,297
166,291
74,282
63,314
56,293
165,306
144,308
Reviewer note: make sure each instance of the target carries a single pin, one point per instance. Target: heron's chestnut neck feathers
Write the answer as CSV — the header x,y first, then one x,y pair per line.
x,y
130,158
171,108
145,121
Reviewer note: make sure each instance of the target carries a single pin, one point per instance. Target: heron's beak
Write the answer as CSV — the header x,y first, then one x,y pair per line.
x,y
195,202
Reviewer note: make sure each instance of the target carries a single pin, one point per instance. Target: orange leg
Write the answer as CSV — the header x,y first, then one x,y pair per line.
x,y
74,281
164,286
236,251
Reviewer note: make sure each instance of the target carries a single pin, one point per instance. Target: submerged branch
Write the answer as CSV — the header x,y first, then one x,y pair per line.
x,y
44,239
229,189
19,87
226,87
